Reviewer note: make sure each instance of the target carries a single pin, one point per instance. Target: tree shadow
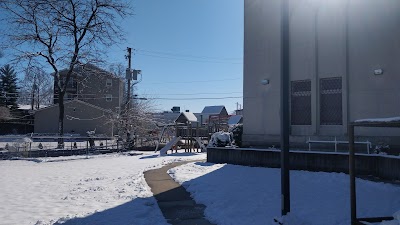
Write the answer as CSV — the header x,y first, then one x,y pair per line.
x,y
167,207
138,211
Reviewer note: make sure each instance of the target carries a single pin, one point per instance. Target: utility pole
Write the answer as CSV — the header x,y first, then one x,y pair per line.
x,y
128,96
285,118
129,77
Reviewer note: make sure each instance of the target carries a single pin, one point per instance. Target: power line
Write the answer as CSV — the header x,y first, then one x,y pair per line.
x,y
204,93
188,56
198,81
235,97
190,60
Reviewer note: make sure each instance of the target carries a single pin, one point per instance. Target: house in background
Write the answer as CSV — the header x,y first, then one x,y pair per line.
x,y
93,99
95,86
80,117
213,113
343,67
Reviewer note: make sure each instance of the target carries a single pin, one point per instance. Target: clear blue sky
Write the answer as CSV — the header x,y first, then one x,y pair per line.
x,y
185,49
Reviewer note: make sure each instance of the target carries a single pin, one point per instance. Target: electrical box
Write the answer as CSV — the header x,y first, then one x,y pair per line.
x,y
135,74
128,75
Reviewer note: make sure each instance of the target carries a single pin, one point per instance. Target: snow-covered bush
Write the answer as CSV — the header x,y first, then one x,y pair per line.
x,y
220,139
237,132
381,148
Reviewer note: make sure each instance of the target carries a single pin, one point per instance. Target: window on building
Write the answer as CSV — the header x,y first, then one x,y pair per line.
x,y
109,82
331,112
108,98
301,102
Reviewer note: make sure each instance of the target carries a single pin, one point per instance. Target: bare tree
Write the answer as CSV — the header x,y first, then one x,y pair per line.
x,y
135,121
63,34
36,88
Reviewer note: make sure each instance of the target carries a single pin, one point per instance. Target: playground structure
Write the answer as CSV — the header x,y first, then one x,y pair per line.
x,y
189,133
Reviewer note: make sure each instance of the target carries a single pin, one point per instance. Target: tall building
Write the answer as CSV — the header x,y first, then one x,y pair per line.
x,y
343,67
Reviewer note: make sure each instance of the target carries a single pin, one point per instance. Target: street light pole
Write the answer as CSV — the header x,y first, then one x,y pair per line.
x,y
129,56
128,97
285,125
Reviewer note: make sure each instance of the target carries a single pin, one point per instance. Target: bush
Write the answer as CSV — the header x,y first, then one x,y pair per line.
x,y
237,133
220,139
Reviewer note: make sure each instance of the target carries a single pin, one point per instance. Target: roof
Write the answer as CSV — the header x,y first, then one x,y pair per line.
x,y
217,109
186,117
235,119
81,69
76,101
165,118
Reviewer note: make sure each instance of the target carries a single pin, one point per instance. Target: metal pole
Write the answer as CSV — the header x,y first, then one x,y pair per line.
x,y
128,99
129,80
352,176
285,185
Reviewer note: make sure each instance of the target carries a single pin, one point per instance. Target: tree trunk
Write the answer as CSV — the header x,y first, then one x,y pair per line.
x,y
61,118
38,99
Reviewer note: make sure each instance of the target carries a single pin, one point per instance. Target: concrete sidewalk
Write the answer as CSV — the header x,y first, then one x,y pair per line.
x,y
174,201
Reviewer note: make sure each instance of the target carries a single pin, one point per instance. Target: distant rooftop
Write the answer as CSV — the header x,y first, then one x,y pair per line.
x,y
236,119
217,109
186,117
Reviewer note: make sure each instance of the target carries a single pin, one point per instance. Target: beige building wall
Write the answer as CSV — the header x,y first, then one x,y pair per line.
x,y
79,118
95,89
96,86
340,38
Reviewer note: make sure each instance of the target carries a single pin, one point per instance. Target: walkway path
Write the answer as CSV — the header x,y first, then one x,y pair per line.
x,y
174,201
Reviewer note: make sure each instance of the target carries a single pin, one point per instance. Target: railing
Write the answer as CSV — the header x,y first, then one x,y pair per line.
x,y
336,142
37,145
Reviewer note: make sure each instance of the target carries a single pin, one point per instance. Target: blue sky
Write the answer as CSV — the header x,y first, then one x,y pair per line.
x,y
167,34
185,49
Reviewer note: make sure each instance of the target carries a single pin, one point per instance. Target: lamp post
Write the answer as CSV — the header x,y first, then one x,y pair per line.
x,y
285,181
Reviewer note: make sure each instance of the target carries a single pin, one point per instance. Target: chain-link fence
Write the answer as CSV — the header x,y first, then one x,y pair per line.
x,y
48,146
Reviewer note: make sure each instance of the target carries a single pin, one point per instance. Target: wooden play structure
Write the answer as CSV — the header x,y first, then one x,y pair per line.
x,y
189,135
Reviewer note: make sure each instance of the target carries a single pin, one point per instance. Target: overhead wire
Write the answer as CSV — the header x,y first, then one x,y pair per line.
x,y
190,60
211,98
198,81
188,56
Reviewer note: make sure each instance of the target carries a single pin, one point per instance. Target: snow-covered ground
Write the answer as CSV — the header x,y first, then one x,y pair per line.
x,y
104,189
110,189
250,195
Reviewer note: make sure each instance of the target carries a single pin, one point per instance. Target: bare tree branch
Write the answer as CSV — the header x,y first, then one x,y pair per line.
x,y
62,34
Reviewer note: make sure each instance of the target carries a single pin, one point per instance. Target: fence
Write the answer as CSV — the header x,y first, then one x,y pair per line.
x,y
39,145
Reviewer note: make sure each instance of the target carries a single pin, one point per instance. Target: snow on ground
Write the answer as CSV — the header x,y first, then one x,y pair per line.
x,y
250,195
104,189
386,120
